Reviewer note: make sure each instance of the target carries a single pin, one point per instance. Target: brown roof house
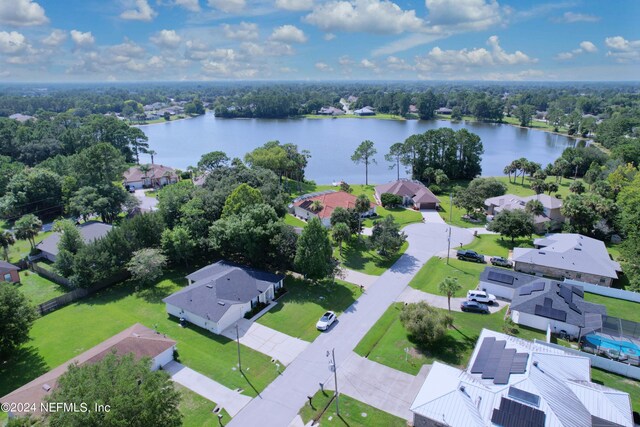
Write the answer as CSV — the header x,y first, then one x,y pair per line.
x,y
327,201
138,340
9,272
413,193
156,176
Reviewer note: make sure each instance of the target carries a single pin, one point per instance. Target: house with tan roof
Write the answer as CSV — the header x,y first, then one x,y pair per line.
x,y
413,193
551,218
156,176
137,340
322,204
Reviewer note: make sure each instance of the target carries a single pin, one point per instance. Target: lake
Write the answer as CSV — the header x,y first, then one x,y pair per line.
x,y
332,142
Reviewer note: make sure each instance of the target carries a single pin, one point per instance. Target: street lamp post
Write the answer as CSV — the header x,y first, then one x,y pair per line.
x,y
332,363
449,239
238,341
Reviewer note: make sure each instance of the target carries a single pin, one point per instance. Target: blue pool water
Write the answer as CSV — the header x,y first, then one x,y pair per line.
x,y
624,346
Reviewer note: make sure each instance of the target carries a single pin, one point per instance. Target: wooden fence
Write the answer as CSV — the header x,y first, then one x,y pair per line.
x,y
76,294
52,275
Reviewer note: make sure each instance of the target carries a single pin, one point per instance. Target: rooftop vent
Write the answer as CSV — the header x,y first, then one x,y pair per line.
x,y
541,253
210,286
221,303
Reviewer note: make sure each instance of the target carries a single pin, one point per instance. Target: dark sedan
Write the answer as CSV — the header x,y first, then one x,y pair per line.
x,y
474,307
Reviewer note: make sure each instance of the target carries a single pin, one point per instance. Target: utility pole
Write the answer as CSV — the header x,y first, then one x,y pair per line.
x,y
332,363
450,212
238,341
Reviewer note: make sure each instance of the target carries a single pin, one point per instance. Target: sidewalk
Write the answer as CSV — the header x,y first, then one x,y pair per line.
x,y
279,346
230,400
358,278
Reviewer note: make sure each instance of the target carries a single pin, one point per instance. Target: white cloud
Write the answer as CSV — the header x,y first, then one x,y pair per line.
x,y
623,50
295,5
322,66
345,61
519,76
572,17
588,47
405,43
190,5
465,59
168,39
457,15
585,47
371,16
81,39
21,13
228,6
125,52
288,34
56,38
243,31
12,42
141,12
397,64
329,36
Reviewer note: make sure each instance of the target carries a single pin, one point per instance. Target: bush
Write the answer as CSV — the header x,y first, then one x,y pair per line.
x,y
388,199
425,324
435,189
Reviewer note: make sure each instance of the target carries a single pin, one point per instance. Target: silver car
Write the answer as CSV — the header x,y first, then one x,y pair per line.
x,y
326,321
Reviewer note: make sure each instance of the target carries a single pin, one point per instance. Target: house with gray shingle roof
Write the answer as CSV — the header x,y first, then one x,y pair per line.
x,y
512,382
551,218
220,294
568,256
90,231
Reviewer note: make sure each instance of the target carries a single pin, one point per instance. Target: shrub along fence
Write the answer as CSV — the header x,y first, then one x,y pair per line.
x,y
76,294
52,275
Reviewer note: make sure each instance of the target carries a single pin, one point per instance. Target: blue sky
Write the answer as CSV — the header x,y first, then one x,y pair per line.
x,y
171,40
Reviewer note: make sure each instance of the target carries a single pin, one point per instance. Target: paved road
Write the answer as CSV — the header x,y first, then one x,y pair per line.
x,y
230,400
358,278
279,403
411,295
147,204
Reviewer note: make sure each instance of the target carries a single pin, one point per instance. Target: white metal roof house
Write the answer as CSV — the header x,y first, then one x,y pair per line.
x,y
546,303
220,294
511,382
570,256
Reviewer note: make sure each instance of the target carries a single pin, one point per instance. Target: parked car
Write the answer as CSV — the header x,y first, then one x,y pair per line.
x,y
467,255
501,262
481,296
474,307
326,321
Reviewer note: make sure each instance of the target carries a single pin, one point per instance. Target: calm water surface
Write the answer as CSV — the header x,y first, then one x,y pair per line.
x,y
332,142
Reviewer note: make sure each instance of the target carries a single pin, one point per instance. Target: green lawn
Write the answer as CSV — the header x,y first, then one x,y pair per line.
x,y
403,216
452,214
65,333
39,289
619,382
198,411
387,340
353,413
436,270
294,221
494,245
616,307
356,256
304,303
297,190
21,248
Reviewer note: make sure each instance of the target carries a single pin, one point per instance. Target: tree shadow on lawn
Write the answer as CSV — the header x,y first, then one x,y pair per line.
x,y
326,294
24,365
449,349
506,243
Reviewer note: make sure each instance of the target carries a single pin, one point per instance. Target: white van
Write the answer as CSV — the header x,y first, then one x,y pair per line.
x,y
481,296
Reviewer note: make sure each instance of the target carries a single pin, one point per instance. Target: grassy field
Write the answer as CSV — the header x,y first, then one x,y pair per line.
x,y
198,411
403,216
22,248
378,116
353,413
436,270
616,307
356,256
494,245
387,340
37,288
63,334
303,304
294,221
618,382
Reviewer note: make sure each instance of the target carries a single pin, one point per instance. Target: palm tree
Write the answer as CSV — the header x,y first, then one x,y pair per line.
x,y
363,205
535,207
145,170
449,287
151,153
340,233
6,240
316,206
27,228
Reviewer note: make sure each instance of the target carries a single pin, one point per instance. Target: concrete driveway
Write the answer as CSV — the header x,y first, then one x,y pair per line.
x,y
279,346
358,278
147,204
431,215
410,295
230,400
284,397
377,385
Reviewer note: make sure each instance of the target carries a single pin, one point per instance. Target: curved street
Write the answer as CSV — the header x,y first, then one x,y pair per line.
x,y
280,402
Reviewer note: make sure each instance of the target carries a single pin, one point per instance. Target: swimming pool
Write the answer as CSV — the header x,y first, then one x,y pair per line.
x,y
623,346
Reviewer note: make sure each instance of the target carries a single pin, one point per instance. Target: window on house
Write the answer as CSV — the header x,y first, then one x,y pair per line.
x,y
7,277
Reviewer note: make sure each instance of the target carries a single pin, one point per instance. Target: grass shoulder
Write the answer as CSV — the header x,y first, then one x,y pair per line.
x,y
353,413
197,411
304,303
495,245
38,289
436,270
356,255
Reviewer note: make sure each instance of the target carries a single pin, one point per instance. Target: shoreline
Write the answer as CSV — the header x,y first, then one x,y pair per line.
x,y
165,122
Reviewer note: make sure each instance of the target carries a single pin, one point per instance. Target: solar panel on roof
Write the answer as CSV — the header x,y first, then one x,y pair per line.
x,y
537,286
524,396
503,370
500,277
514,414
549,312
578,291
519,365
483,355
525,290
493,360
